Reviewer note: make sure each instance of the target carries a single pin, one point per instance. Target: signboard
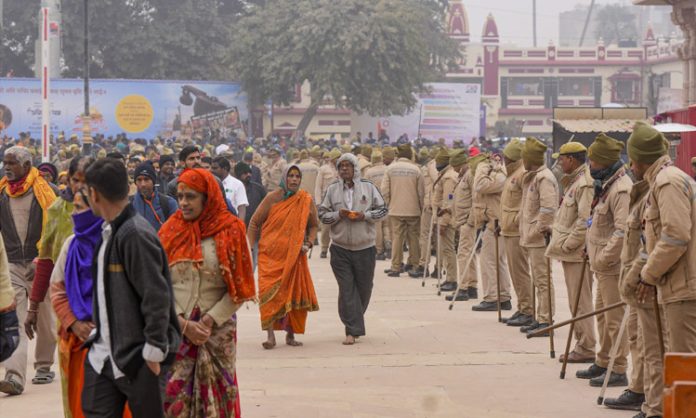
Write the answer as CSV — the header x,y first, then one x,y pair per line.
x,y
450,110
139,108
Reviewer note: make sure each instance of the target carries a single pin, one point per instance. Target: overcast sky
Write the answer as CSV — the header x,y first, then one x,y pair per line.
x,y
514,18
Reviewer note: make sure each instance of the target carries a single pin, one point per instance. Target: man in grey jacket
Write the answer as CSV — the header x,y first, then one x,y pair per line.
x,y
352,206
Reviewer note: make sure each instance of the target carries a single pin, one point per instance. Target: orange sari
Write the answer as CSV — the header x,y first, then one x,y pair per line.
x,y
286,291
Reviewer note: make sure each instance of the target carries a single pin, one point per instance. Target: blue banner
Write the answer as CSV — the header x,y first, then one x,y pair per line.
x,y
138,108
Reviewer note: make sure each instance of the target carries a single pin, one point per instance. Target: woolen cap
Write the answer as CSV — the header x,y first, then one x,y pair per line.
x,y
513,150
145,169
376,156
405,151
366,151
533,151
458,158
646,144
388,152
605,150
442,157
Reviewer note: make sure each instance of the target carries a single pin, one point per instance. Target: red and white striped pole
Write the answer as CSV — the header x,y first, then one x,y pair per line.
x,y
45,88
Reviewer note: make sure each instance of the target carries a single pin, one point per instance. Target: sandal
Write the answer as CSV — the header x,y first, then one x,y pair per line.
x,y
43,377
10,385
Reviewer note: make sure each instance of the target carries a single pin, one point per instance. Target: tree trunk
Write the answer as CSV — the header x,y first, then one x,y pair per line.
x,y
308,115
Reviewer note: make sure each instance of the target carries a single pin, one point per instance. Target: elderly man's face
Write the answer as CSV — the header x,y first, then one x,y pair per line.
x,y
14,170
346,170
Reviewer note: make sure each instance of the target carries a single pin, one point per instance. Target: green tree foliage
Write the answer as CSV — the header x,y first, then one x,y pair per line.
x,y
616,23
19,31
150,39
368,56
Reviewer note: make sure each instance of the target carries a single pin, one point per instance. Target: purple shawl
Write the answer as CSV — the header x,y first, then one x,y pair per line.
x,y
78,265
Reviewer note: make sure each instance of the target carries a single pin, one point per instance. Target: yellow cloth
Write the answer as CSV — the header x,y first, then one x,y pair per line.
x,y
42,191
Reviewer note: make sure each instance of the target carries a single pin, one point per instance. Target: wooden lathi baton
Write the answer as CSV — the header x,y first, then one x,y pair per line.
x,y
577,318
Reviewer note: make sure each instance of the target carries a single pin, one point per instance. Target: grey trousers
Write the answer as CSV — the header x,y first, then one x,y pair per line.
x,y
354,271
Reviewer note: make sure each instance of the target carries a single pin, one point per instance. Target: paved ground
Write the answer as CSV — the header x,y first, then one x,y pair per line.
x,y
418,360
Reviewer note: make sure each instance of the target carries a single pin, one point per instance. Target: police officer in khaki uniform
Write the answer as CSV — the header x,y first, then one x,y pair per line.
x,y
443,202
539,204
375,173
403,190
670,228
430,174
489,180
464,220
510,203
276,167
568,244
607,224
310,171
328,173
643,357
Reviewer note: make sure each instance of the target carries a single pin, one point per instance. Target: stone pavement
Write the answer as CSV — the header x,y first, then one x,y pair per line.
x,y
418,360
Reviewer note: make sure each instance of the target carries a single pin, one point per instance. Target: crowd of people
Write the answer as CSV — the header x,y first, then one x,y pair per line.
x,y
174,244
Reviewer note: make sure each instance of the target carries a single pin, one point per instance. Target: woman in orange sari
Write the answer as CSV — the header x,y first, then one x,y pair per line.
x,y
285,226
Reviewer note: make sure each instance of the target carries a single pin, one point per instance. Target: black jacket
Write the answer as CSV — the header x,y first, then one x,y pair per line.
x,y
138,293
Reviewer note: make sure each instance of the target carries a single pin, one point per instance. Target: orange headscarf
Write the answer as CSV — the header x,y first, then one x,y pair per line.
x,y
181,239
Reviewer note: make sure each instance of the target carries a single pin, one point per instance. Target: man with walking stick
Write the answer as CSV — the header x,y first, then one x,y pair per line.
x,y
510,202
489,179
539,204
669,227
443,198
605,237
464,220
568,246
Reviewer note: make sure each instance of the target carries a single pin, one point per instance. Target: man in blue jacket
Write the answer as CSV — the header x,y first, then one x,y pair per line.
x,y
152,205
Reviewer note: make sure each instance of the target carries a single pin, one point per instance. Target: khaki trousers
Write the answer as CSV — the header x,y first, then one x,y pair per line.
x,y
426,218
324,236
448,255
609,322
635,347
405,228
489,276
519,272
584,330
540,275
22,276
652,360
383,239
468,275
681,326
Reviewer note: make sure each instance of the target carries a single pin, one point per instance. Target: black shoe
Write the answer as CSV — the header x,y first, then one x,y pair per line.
x,y
538,327
473,292
532,326
390,269
323,254
628,401
520,321
393,274
448,286
462,295
514,316
416,273
506,306
485,307
381,257
591,372
615,380
406,268
642,415
434,274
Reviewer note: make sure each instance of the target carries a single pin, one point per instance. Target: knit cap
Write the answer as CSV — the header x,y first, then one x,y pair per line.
x,y
533,151
442,157
458,158
646,144
605,150
376,157
405,151
513,150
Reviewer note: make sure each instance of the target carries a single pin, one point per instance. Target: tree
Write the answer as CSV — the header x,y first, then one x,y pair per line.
x,y
17,37
616,23
368,56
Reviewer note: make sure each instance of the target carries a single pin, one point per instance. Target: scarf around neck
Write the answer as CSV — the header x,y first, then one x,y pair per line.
x,y
78,264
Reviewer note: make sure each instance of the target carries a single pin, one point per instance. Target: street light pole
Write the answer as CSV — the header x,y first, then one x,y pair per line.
x,y
86,127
